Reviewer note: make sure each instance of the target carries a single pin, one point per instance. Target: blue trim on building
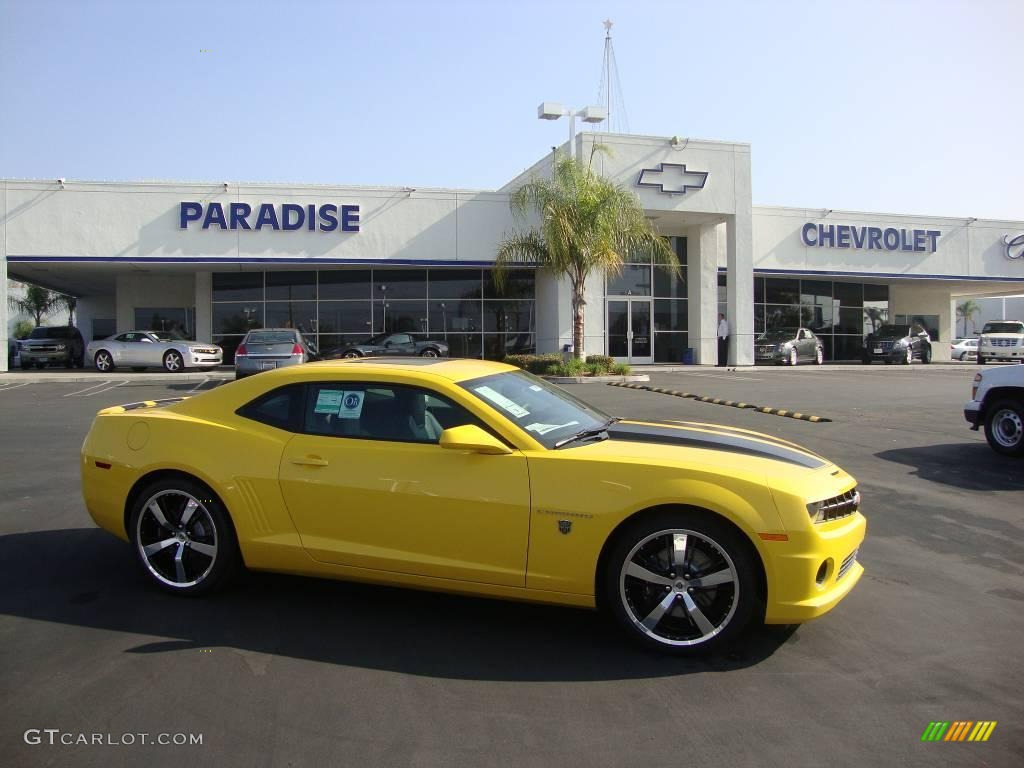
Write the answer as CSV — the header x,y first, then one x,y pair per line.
x,y
304,260
879,275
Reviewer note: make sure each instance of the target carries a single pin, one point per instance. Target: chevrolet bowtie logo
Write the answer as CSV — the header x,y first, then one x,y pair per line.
x,y
672,178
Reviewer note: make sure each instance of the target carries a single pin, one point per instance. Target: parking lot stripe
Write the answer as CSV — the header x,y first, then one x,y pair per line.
x,y
80,391
200,385
9,385
101,391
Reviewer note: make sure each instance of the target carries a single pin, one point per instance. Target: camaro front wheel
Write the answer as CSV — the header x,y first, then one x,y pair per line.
x,y
173,362
182,536
682,583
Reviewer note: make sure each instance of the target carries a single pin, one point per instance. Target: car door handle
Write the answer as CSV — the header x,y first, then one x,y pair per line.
x,y
309,461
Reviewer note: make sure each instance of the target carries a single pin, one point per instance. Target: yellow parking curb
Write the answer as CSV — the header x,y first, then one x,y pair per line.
x,y
731,403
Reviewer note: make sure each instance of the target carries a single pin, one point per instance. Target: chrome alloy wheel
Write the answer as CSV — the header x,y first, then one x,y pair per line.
x,y
679,587
177,538
429,353
350,355
819,356
104,362
793,357
1007,428
173,362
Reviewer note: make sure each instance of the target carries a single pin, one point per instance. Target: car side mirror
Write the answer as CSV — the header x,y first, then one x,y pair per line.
x,y
469,437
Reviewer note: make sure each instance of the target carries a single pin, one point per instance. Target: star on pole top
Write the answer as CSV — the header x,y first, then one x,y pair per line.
x,y
607,27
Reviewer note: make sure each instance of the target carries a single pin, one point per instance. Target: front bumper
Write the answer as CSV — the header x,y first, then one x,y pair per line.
x,y
972,413
771,357
794,594
894,355
1001,353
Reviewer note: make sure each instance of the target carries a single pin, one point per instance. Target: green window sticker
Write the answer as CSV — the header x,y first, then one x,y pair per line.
x,y
328,401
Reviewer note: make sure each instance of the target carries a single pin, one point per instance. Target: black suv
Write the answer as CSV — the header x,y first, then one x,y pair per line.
x,y
61,344
898,344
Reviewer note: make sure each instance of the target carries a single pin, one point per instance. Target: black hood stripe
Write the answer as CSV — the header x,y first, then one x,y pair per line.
x,y
719,428
695,438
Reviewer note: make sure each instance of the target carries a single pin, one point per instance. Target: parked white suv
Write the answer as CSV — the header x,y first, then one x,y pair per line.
x,y
997,402
1001,340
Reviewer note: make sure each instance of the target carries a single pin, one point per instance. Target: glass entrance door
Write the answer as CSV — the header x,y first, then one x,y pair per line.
x,y
629,330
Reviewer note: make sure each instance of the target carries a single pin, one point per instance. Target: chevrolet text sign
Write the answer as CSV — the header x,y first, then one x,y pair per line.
x,y
327,217
871,238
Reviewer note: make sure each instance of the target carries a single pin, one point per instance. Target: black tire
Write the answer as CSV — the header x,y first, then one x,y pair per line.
x,y
209,527
350,355
174,362
926,355
430,352
1004,427
80,360
104,361
725,608
981,360
69,362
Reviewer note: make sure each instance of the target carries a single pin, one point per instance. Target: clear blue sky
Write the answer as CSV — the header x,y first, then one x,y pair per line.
x,y
881,106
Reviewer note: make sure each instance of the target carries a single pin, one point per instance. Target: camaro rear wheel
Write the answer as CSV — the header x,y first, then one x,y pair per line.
x,y
682,583
173,362
429,352
1004,428
182,536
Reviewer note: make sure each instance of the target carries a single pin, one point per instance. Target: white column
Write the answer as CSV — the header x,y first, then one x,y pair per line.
x,y
740,289
594,340
204,306
702,292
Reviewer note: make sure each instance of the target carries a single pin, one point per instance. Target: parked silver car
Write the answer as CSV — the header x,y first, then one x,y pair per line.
x,y
270,348
140,350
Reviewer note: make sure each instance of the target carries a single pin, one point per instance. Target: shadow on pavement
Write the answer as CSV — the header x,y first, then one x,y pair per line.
x,y
85,577
971,466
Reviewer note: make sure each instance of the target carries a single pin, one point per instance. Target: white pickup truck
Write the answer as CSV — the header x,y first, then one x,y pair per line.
x,y
997,402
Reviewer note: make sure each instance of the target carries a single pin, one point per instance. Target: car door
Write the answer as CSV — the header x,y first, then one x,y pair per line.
x,y
399,344
123,349
368,488
801,344
151,350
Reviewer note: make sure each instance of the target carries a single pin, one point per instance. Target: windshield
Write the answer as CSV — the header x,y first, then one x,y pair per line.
x,y
893,330
271,337
50,333
779,334
1003,328
548,413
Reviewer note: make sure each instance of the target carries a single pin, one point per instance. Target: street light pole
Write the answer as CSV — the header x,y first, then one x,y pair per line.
x,y
552,110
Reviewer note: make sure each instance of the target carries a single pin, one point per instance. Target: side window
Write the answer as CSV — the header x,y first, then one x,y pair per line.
x,y
281,408
381,412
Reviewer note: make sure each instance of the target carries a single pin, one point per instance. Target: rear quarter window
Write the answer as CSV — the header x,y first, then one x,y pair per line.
x,y
281,408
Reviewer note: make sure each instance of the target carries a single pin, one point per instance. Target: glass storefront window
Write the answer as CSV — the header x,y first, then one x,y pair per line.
x,y
818,317
670,347
847,347
229,344
345,284
178,321
875,318
402,316
400,284
778,290
498,345
291,286
464,345
670,315
237,286
455,284
238,317
518,284
454,316
815,292
344,317
850,294
635,280
508,316
759,290
679,245
876,292
670,283
291,314
779,316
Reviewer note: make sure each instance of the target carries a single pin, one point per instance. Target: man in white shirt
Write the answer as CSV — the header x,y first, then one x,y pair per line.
x,y
723,341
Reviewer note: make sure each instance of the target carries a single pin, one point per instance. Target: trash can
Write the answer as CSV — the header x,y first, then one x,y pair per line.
x,y
688,356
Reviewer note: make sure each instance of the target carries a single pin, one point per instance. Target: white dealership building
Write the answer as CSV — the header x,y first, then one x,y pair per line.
x,y
341,262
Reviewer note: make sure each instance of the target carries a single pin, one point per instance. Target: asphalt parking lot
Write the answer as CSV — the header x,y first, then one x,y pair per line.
x,y
290,671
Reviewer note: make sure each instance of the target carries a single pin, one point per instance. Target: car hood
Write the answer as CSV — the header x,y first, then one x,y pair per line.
x,y
47,340
878,337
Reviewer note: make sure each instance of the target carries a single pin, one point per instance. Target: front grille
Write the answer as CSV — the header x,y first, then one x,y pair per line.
x,y
1003,342
43,348
838,507
885,346
765,350
847,564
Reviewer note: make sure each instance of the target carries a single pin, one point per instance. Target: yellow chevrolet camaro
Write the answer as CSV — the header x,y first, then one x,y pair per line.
x,y
475,477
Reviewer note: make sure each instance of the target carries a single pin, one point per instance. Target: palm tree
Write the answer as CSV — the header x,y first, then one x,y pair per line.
x,y
966,311
36,302
587,224
66,302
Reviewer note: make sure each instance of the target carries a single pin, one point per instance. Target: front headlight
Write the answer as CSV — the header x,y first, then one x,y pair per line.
x,y
901,344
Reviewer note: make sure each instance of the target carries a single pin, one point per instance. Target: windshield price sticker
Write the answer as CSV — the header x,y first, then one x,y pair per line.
x,y
543,429
503,402
338,402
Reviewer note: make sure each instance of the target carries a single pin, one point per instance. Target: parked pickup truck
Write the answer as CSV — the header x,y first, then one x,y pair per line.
x,y
997,402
